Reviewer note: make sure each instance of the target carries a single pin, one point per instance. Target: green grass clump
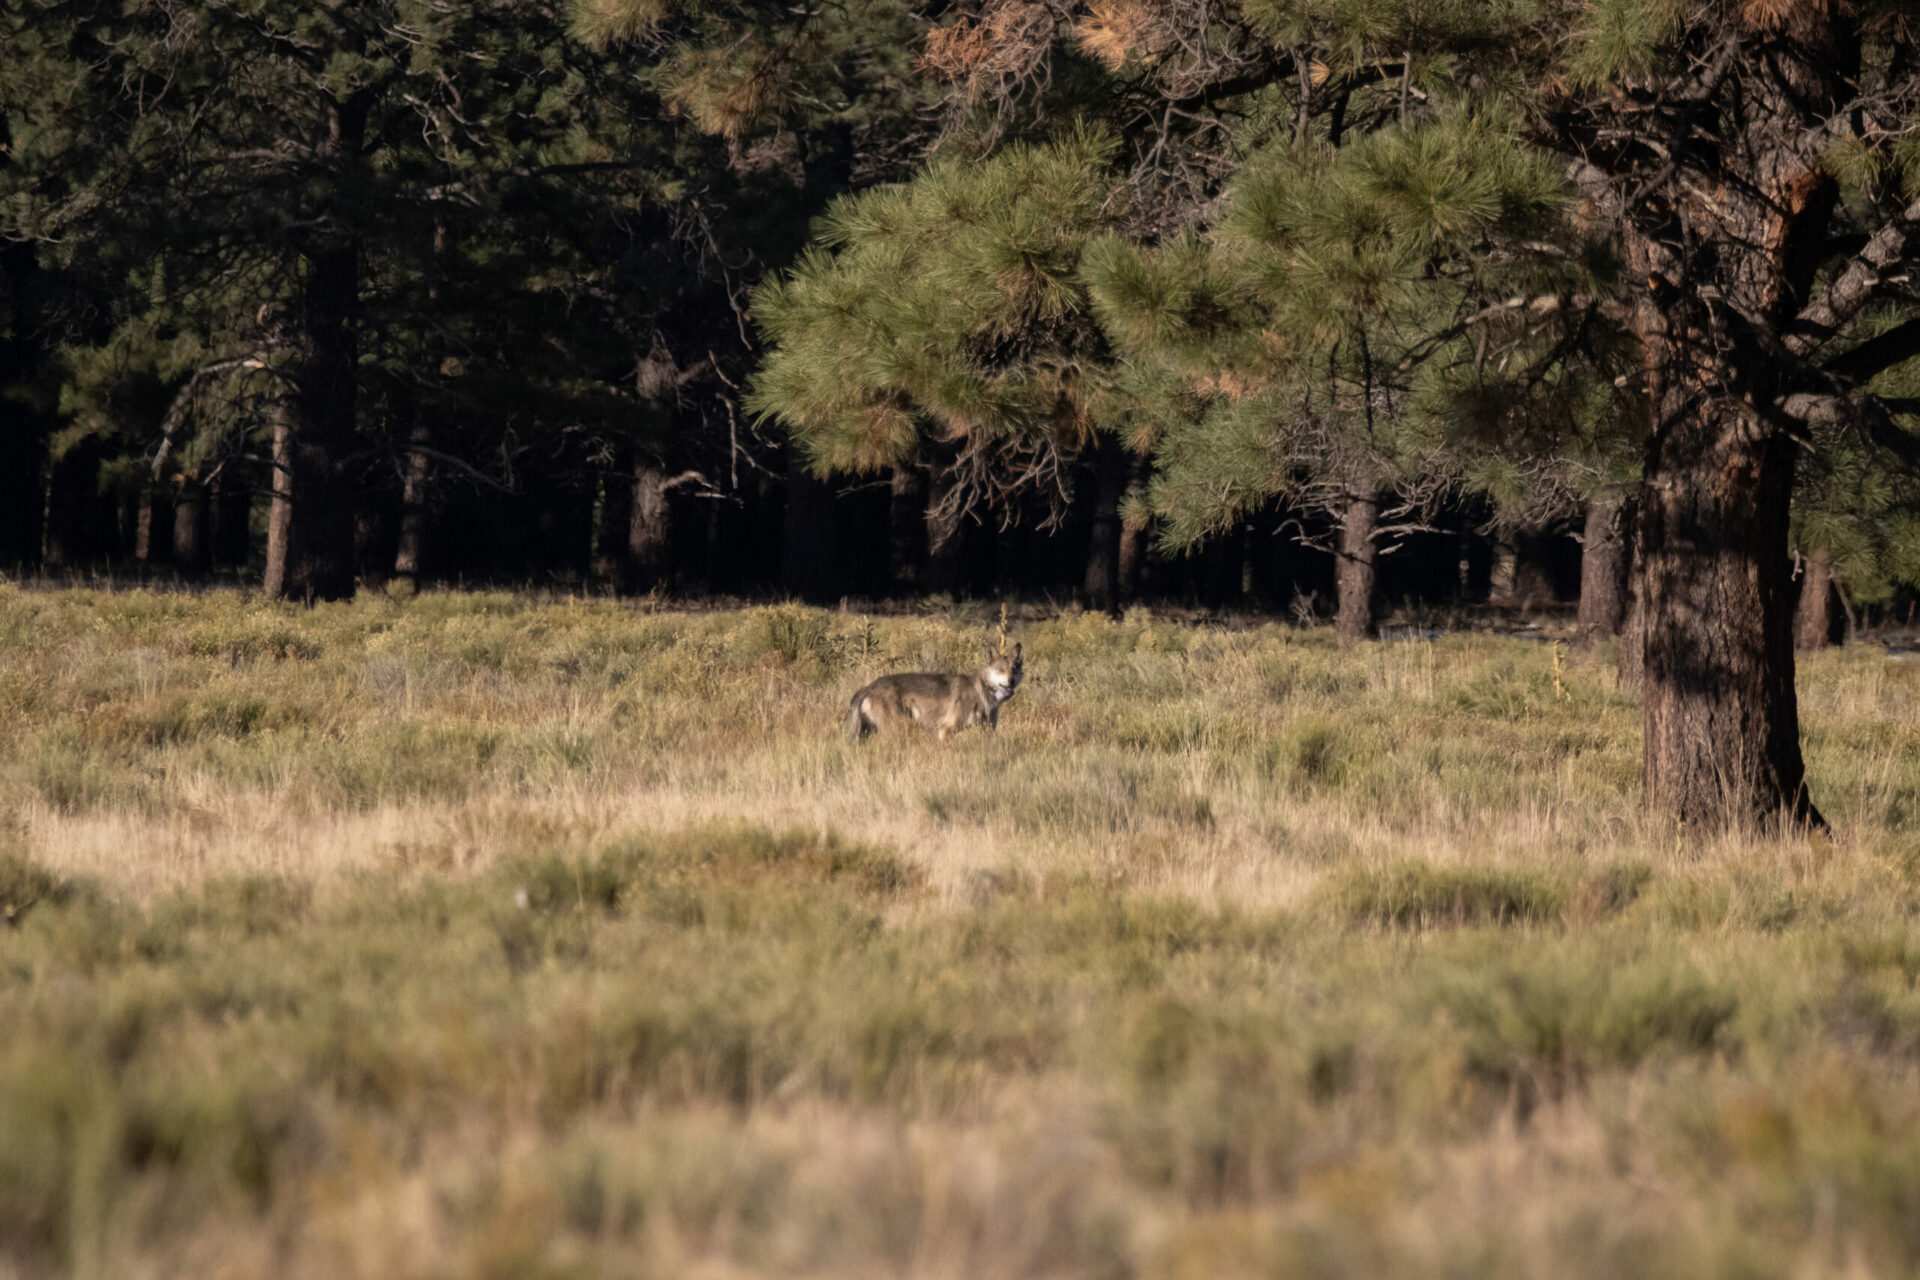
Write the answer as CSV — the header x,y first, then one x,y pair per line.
x,y
1415,896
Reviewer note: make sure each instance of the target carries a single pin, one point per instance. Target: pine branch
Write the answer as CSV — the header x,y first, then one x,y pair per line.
x,y
1876,355
1872,417
1893,246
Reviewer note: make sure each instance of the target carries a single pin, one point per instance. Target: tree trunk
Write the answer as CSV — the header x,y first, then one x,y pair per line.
x,y
320,550
317,546
143,517
410,552
906,527
1630,660
1722,727
190,530
1603,568
1813,617
373,549
278,582
1101,585
648,527
1134,528
1355,572
609,570
79,522
1505,574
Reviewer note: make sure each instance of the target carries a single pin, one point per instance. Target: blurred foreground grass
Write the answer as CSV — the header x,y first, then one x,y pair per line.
x,y
474,935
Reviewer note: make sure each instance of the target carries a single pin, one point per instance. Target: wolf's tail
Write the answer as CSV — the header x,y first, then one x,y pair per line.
x,y
858,726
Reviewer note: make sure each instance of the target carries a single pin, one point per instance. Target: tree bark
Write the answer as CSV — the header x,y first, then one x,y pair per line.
x,y
1721,719
373,550
320,563
1728,304
143,519
410,553
1355,573
1504,576
1630,660
614,527
1134,529
1603,568
1101,584
278,580
1813,615
317,548
649,527
190,530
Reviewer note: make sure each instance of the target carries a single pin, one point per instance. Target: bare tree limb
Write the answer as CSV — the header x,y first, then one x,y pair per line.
x,y
1893,246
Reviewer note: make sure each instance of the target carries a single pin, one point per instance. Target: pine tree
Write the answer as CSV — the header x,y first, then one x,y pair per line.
x,y
1290,343
1709,228
951,308
1710,137
272,180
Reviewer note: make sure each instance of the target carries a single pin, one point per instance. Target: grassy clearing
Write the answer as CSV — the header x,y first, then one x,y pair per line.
x,y
479,935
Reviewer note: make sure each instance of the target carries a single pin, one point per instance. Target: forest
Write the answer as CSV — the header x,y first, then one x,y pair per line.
x,y
1307,306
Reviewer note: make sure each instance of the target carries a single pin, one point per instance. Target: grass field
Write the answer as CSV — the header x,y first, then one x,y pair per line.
x,y
477,935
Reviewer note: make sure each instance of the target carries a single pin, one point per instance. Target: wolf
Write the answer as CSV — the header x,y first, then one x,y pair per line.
x,y
943,703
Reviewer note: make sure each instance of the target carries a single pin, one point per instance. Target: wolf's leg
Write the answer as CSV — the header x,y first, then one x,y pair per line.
x,y
858,725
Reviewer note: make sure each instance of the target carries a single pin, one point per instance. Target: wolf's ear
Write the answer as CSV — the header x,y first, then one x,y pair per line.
x,y
991,655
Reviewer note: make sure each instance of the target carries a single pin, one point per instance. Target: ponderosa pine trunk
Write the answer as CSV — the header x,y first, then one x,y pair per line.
x,y
321,548
1725,242
317,547
145,512
373,541
1813,613
649,526
278,579
1504,575
614,526
1603,568
411,549
1134,527
1101,586
1355,571
1630,658
1721,717
190,530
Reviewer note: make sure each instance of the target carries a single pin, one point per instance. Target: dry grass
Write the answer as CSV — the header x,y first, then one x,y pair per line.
x,y
479,935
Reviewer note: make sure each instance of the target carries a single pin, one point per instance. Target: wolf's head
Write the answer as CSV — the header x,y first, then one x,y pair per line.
x,y
1002,673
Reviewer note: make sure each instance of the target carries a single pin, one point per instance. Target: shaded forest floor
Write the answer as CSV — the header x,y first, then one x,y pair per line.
x,y
476,935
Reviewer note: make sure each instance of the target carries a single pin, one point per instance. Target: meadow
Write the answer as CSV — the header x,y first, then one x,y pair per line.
x,y
487,935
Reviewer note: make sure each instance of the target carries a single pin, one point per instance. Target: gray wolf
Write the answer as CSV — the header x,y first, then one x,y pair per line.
x,y
943,703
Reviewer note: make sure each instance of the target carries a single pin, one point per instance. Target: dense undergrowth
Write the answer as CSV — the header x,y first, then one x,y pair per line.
x,y
472,935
